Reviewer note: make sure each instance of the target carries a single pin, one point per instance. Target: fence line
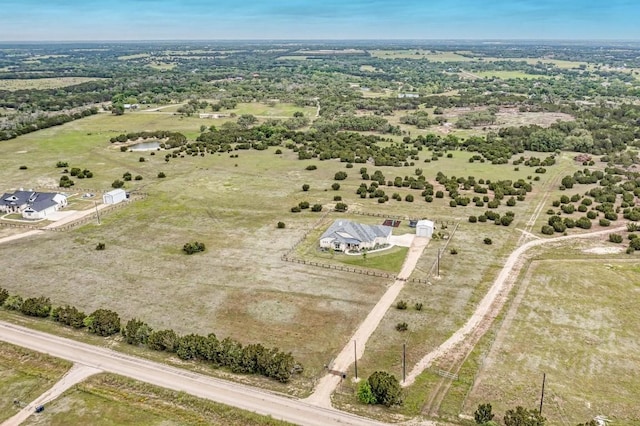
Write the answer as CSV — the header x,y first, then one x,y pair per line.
x,y
338,267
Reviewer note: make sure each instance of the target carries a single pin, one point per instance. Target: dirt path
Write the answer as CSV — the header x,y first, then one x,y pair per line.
x,y
463,340
75,375
327,384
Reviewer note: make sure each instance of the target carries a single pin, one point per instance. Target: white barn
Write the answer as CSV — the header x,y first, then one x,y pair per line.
x,y
424,228
114,197
345,235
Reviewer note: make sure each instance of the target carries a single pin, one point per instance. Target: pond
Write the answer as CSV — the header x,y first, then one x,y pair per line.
x,y
145,146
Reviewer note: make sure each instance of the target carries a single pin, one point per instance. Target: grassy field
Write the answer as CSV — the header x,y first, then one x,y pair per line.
x,y
576,323
239,287
436,56
108,399
24,375
43,83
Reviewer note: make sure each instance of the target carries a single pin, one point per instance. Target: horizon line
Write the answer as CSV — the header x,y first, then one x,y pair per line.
x,y
484,40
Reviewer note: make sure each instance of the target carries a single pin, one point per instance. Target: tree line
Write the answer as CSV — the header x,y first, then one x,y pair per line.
x,y
227,353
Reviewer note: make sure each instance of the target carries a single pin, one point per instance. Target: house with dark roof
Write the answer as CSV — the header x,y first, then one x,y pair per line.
x,y
345,235
32,204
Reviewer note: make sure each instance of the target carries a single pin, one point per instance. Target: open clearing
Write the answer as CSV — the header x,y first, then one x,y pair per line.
x,y
576,322
43,83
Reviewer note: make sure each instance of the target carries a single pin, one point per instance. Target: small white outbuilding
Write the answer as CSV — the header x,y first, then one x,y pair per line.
x,y
114,197
424,228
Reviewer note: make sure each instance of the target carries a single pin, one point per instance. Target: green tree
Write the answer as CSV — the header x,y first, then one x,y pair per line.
x,y
36,307
163,340
4,294
13,303
483,414
305,187
365,395
136,332
69,315
385,388
523,417
103,322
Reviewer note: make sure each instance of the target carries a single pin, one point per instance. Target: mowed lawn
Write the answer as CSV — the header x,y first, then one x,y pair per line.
x,y
577,323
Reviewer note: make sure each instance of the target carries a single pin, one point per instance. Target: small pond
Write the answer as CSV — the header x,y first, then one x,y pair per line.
x,y
145,146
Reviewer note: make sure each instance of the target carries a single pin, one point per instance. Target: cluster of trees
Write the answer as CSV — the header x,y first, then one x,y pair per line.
x,y
13,128
518,416
421,119
169,139
229,353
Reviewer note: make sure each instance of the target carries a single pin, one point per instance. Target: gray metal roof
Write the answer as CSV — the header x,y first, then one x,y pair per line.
x,y
37,201
350,232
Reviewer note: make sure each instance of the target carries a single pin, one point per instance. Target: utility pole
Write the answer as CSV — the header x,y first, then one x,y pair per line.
x,y
404,362
544,379
439,254
355,358
97,213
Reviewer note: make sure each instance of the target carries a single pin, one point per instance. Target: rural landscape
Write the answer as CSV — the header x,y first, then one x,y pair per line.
x,y
347,232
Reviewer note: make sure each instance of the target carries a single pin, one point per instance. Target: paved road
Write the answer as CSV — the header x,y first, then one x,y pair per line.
x,y
233,394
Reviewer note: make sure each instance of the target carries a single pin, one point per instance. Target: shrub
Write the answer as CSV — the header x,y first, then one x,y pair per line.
x,y
13,303
439,194
453,203
615,238
341,207
591,214
547,230
311,167
103,322
65,182
365,395
278,151
23,167
604,222
340,176
4,294
69,315
488,241
583,223
402,305
62,164
335,186
281,225
453,251
100,246
402,326
418,306
337,198
316,208
483,414
138,177
141,159
303,205
136,332
161,175
36,307
385,388
473,219
409,198
305,187
193,247
117,183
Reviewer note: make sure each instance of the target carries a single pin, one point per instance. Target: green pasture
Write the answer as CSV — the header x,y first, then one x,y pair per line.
x,y
576,323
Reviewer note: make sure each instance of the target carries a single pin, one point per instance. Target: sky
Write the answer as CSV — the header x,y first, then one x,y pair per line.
x,y
91,20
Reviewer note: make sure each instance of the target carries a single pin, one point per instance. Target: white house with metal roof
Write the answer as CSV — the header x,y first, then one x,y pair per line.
x,y
32,205
345,235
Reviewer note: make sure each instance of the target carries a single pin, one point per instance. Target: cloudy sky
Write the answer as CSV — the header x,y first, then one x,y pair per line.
x,y
57,20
